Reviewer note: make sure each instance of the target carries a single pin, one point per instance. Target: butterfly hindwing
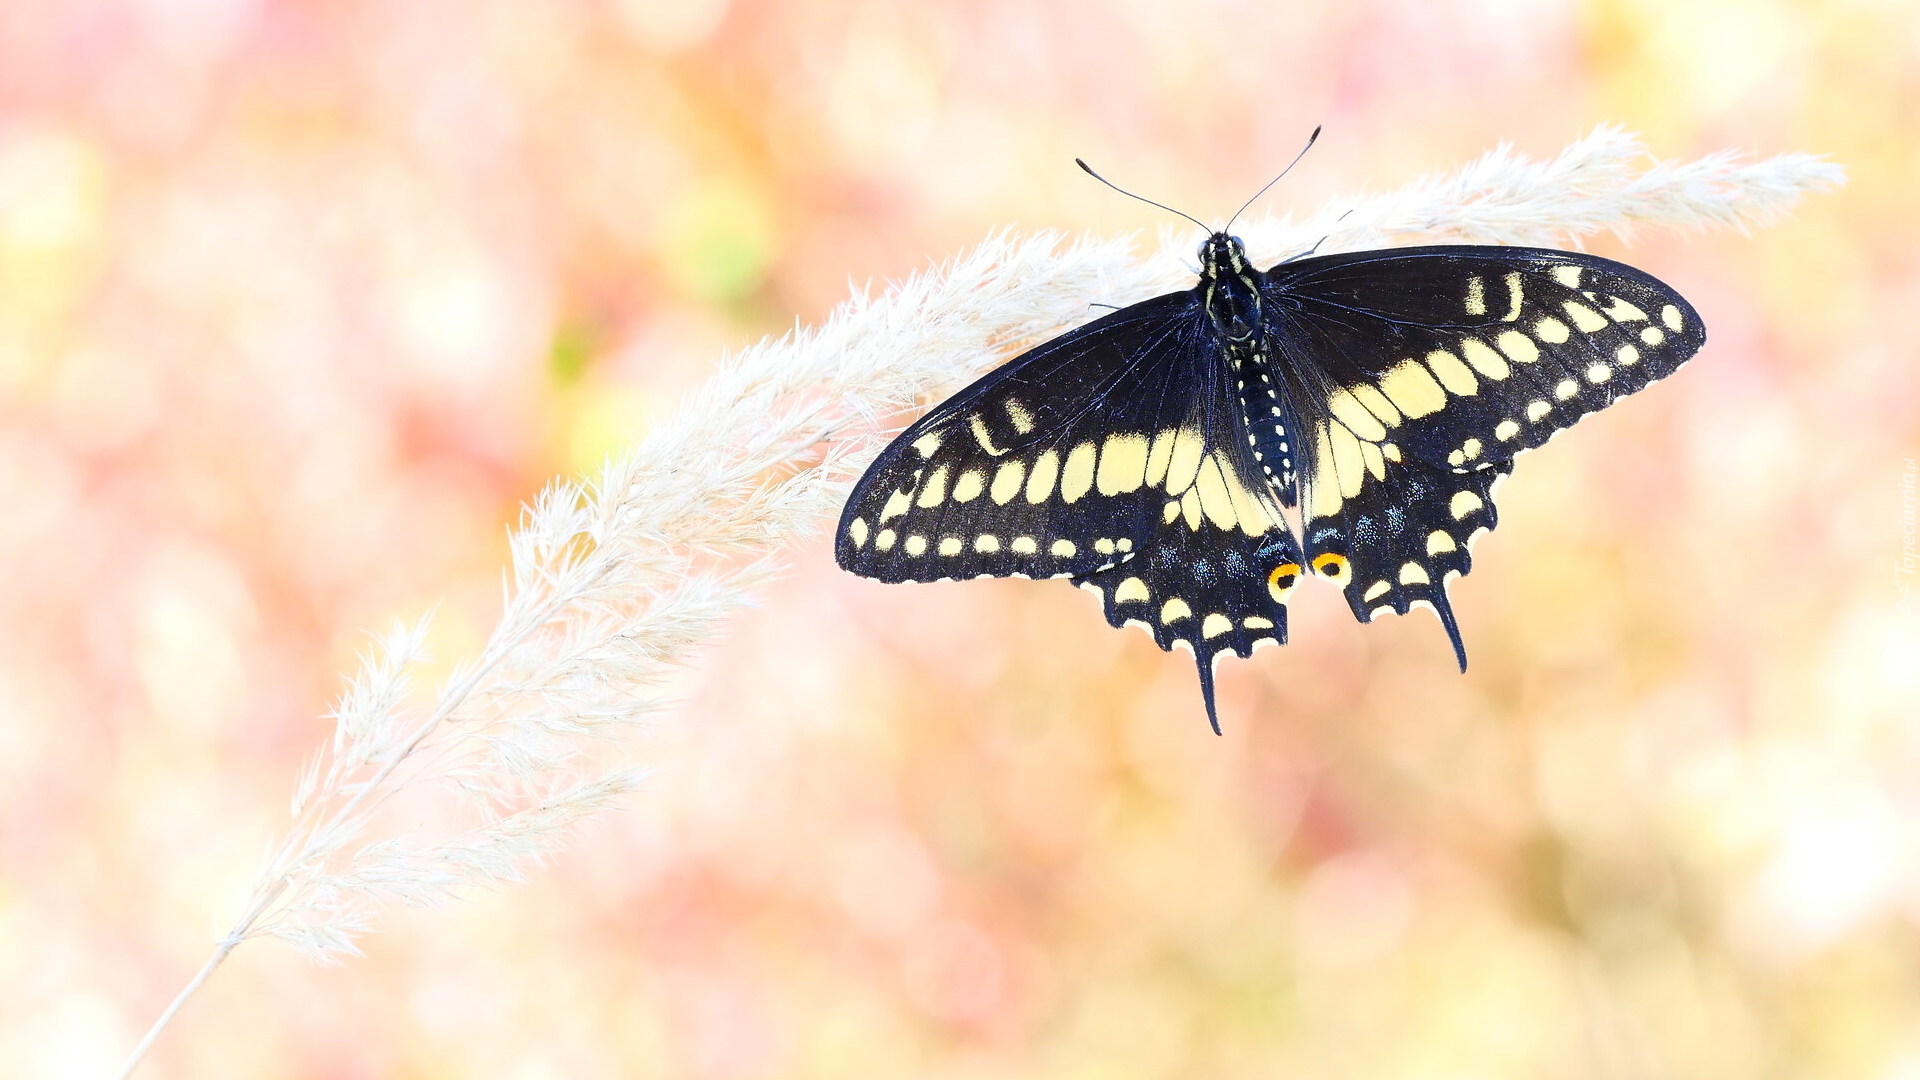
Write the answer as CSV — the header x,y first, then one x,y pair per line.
x,y
1465,356
1401,537
1209,589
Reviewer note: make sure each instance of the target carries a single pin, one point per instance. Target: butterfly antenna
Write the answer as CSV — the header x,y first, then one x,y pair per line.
x,y
1275,180
1131,195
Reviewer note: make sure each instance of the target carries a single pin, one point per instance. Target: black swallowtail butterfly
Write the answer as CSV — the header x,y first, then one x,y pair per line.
x,y
1148,454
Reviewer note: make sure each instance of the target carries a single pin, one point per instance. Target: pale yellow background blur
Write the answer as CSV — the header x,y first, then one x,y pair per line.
x,y
300,300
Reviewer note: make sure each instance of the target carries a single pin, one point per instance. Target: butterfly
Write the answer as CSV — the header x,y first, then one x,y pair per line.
x,y
1149,455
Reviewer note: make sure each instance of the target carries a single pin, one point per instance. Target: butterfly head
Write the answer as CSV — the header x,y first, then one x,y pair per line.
x,y
1231,287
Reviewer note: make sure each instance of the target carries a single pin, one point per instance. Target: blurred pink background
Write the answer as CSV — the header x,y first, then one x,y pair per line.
x,y
299,301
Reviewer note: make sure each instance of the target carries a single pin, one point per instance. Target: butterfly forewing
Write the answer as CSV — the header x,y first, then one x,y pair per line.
x,y
1465,356
1066,461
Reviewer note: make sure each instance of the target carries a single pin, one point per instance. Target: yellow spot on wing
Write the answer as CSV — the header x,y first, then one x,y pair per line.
x,y
1006,482
1439,542
1377,590
1653,335
1552,331
1123,464
1414,574
1376,461
897,504
1452,373
1505,429
1375,403
1063,548
1519,347
1484,359
1215,501
1190,508
1598,373
884,542
1174,609
1621,311
1464,503
1326,485
950,546
1627,354
858,531
1185,462
1045,470
969,486
1256,622
1412,390
1565,389
916,545
1131,589
1671,316
1021,418
986,543
935,489
1537,411
1357,417
1077,478
982,436
1025,545
1476,296
1346,460
1584,317
1567,275
1248,508
1159,456
1514,298
927,444
1214,625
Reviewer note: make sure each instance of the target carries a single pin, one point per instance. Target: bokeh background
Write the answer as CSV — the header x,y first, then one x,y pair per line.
x,y
300,300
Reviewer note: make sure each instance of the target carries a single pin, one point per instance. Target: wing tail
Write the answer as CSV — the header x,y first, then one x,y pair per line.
x,y
1205,663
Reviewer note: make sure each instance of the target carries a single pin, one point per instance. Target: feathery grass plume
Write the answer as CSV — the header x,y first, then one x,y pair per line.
x,y
617,579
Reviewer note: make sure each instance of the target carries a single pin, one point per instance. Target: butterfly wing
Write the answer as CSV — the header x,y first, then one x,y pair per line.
x,y
1115,455
1421,372
1210,587
1469,355
1004,478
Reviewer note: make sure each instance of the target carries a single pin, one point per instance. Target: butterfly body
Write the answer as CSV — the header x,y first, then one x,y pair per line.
x,y
1149,454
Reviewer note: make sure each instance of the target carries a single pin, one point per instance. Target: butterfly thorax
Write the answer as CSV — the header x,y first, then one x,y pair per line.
x,y
1231,287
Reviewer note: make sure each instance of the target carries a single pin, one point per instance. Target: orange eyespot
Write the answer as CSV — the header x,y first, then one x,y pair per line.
x,y
1330,564
1284,577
